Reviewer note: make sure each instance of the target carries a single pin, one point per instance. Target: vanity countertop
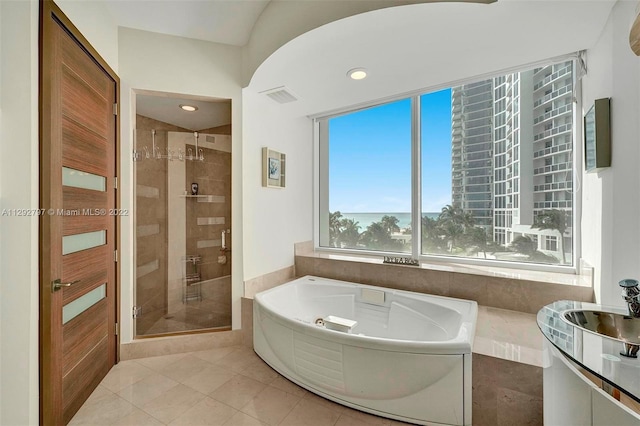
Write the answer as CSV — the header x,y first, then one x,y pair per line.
x,y
597,354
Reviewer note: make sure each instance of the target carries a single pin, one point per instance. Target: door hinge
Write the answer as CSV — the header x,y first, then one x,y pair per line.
x,y
115,255
115,182
115,109
137,311
117,329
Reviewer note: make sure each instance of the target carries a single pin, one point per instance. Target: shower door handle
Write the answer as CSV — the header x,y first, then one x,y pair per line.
x,y
57,285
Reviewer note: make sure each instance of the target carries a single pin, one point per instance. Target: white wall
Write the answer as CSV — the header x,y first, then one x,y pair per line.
x,y
611,198
94,21
275,219
19,190
163,63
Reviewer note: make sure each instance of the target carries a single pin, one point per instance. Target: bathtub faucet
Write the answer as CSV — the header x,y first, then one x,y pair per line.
x,y
631,295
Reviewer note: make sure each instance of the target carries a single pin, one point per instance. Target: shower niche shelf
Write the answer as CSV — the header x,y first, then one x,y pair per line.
x,y
191,278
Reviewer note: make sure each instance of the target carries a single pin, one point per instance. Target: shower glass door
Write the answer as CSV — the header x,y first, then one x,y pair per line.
x,y
183,227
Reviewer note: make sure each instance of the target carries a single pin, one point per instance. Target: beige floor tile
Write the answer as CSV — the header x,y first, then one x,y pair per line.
x,y
184,368
238,360
109,409
288,386
147,389
98,395
137,417
206,412
271,405
260,371
326,403
125,374
238,391
172,403
307,413
366,418
209,379
392,422
345,420
213,355
241,419
158,362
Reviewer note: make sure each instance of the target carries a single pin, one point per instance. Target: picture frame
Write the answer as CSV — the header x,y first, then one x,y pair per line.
x,y
273,168
597,136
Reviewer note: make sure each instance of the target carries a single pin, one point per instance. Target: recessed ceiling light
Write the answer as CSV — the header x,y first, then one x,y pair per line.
x,y
189,108
357,73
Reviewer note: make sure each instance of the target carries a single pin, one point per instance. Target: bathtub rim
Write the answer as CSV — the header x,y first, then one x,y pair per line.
x,y
461,344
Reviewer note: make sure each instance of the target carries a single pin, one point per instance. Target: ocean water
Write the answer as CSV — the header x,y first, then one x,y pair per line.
x,y
366,219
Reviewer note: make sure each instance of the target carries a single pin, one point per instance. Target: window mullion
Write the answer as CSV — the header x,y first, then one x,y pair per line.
x,y
416,168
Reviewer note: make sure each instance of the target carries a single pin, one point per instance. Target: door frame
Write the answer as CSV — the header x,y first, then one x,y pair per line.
x,y
48,8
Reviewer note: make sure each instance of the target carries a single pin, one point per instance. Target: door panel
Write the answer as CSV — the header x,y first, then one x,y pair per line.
x,y
82,151
78,236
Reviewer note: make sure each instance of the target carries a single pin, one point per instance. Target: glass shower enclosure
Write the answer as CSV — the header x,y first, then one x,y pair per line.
x,y
183,230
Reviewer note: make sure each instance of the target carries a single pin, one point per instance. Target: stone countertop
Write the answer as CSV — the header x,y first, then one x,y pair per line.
x,y
596,354
509,335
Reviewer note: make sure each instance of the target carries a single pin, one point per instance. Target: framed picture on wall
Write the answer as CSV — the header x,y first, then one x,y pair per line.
x,y
597,136
273,168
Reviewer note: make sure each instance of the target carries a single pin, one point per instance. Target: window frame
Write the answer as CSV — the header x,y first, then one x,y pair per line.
x,y
320,174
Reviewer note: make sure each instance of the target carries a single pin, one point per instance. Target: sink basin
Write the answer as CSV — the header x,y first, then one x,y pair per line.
x,y
620,327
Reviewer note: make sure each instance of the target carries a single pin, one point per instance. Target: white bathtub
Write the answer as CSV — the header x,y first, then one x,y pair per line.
x,y
408,357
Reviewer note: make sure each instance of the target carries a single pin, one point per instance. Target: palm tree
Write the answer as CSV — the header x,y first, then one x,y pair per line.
x,y
350,233
431,241
390,223
334,227
554,220
378,237
477,237
452,231
524,245
456,215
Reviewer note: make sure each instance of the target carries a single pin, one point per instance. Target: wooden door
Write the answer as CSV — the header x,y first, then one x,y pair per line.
x,y
78,142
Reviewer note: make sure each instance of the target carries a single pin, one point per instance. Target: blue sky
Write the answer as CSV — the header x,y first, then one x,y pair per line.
x,y
370,157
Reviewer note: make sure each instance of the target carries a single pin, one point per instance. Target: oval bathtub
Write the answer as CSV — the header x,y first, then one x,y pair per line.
x,y
407,357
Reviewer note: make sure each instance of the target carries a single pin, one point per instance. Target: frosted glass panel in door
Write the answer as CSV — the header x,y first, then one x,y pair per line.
x,y
87,240
78,179
82,303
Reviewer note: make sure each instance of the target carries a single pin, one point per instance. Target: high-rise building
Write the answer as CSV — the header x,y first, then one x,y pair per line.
x,y
471,147
512,153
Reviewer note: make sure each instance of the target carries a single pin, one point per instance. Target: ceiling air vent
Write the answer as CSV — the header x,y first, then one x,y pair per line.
x,y
280,94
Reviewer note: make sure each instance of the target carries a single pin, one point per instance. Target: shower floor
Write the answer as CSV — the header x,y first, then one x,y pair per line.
x,y
194,315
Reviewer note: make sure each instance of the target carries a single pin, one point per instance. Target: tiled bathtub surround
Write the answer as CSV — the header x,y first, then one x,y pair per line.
x,y
517,290
509,335
267,281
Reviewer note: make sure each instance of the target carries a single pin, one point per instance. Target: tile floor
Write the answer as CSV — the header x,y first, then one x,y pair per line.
x,y
223,386
194,315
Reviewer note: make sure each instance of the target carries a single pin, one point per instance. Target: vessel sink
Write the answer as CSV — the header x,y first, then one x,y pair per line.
x,y
620,327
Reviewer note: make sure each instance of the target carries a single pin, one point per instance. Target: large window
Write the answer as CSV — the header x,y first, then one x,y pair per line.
x,y
483,170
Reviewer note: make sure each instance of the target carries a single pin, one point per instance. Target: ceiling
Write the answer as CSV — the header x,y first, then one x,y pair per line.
x,y
220,21
404,48
166,108
422,46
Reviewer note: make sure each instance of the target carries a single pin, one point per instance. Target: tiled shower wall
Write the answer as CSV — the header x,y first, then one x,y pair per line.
x,y
151,224
206,218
